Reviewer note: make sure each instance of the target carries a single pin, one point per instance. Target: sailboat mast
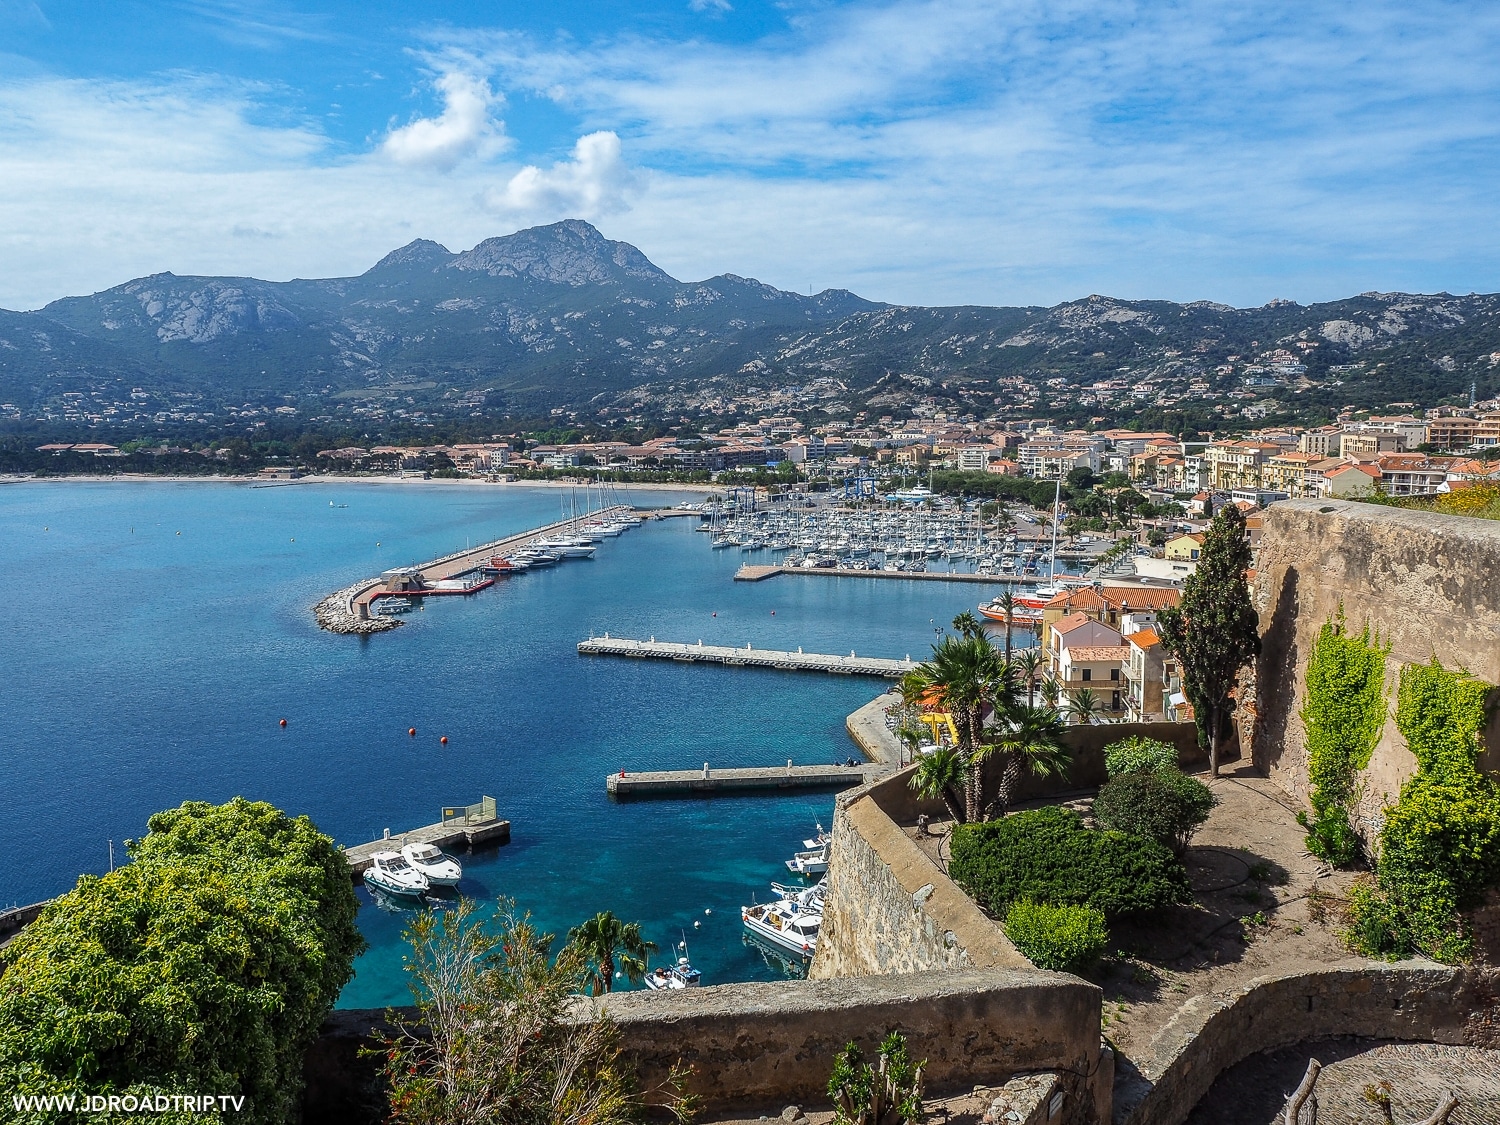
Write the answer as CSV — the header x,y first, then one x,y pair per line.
x,y
1056,511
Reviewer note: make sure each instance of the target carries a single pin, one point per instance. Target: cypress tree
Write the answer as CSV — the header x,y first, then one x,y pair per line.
x,y
1214,632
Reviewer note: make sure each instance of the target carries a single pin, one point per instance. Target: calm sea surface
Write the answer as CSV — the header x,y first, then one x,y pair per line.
x,y
156,632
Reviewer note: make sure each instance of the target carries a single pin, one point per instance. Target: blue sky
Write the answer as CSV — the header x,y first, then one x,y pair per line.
x,y
1022,152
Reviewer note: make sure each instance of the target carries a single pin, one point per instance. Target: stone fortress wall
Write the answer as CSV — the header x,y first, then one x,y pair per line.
x,y
1428,584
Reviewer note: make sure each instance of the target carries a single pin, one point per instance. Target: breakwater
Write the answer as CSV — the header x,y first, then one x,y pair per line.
x,y
754,573
747,657
349,610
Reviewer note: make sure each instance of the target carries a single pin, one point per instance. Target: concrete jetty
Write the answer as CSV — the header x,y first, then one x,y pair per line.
x,y
350,610
755,779
470,825
747,657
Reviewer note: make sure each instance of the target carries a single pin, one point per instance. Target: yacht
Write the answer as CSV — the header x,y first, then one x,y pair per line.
x,y
387,607
440,868
785,923
389,872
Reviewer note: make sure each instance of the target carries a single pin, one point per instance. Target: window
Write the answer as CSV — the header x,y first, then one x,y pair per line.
x,y
1088,674
1114,673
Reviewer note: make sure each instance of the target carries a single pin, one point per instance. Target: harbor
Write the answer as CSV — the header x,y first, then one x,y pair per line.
x,y
753,779
747,657
759,573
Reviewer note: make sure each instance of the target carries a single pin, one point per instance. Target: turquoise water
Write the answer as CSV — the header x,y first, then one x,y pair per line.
x,y
157,632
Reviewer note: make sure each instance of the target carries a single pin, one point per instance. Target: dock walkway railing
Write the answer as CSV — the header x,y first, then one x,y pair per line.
x,y
799,661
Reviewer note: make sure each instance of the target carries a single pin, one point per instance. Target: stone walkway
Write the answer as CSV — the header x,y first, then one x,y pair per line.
x,y
1420,1076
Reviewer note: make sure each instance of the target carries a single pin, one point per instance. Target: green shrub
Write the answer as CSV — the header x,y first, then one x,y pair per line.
x,y
206,965
1440,846
1166,805
1047,855
1343,715
1068,939
1135,754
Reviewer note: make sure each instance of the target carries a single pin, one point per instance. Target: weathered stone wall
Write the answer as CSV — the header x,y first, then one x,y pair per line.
x,y
890,909
1427,583
753,1048
1413,1000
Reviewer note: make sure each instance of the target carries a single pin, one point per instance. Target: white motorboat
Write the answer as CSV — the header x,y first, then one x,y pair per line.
x,y
823,837
390,872
440,868
785,924
813,861
680,975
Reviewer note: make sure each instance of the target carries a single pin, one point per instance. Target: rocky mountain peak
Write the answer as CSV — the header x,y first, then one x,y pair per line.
x,y
417,253
571,252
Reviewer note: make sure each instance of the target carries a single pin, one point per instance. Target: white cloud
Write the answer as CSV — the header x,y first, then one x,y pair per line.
x,y
459,131
595,182
710,5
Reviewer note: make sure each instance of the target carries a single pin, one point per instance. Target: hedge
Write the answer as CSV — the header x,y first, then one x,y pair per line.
x,y
205,965
1164,804
1048,856
1066,939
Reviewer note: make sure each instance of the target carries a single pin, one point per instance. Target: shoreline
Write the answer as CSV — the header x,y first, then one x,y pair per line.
x,y
315,478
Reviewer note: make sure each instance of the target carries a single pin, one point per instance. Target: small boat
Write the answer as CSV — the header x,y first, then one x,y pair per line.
x,y
390,607
440,868
680,975
389,872
785,924
813,861
823,837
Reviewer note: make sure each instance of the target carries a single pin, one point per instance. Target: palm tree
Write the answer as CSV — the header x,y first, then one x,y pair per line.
x,y
966,675
603,940
1007,602
968,625
1051,691
1085,705
1030,742
1029,664
940,776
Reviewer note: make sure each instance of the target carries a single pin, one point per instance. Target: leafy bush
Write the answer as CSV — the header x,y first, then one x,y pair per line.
x,y
1135,754
1069,939
1343,715
1164,804
1047,855
1440,847
205,965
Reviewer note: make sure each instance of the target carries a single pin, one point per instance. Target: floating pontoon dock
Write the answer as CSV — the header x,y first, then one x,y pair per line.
x,y
470,825
759,779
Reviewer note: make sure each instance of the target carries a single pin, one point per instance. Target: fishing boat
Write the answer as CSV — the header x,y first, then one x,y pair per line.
x,y
389,872
439,868
681,975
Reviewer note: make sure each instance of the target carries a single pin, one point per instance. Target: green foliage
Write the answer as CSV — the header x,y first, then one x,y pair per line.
x,y
1344,714
1164,804
1137,753
1048,856
605,941
498,1034
1067,939
1440,714
1214,632
884,1094
207,964
1440,846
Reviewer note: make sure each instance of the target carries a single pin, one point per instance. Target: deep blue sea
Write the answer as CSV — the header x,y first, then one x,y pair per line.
x,y
156,633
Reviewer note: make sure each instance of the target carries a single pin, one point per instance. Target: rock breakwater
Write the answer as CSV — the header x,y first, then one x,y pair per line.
x,y
335,615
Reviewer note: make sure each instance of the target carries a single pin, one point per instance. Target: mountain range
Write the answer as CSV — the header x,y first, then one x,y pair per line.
x,y
559,314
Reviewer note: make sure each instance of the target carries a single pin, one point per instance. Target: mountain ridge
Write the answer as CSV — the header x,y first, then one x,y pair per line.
x,y
560,314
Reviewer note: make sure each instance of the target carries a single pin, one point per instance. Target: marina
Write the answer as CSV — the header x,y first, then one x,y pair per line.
x,y
754,779
759,573
747,657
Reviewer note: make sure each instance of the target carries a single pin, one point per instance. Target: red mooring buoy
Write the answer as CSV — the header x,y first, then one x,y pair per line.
x,y
444,740
412,731
283,722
